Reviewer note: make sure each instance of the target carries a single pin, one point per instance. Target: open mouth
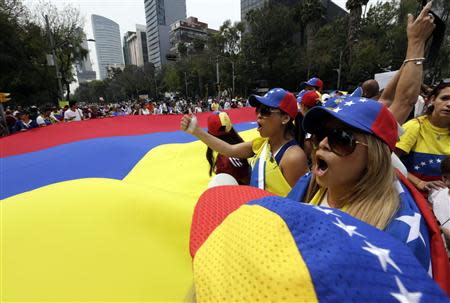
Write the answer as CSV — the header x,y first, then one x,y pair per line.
x,y
321,166
259,126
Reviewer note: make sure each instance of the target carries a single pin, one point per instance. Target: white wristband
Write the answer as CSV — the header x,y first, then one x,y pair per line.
x,y
192,125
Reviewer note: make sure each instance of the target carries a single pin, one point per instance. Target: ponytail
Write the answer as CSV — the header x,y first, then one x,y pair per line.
x,y
232,137
210,158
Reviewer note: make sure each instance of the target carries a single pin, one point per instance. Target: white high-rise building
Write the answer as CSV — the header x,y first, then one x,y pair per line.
x,y
107,44
160,14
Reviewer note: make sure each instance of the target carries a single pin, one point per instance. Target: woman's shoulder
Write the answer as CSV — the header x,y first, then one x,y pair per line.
x,y
414,125
294,154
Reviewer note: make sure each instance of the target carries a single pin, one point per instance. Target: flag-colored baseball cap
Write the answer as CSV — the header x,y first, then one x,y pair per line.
x,y
219,123
277,98
314,82
250,246
366,115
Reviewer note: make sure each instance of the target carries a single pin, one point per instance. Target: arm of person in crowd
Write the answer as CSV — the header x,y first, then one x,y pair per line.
x,y
425,185
446,235
388,95
241,150
408,87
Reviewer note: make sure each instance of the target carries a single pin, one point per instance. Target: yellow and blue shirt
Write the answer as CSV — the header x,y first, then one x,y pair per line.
x,y
266,172
426,146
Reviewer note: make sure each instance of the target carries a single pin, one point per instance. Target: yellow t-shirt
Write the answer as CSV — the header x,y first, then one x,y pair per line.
x,y
274,180
426,146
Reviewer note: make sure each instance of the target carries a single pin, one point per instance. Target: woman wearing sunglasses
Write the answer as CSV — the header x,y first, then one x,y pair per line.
x,y
426,141
352,171
277,160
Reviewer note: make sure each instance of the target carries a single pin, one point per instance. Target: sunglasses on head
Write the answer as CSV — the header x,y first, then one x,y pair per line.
x,y
266,111
342,142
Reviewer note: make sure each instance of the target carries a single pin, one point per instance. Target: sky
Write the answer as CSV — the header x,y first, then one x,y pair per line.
x,y
128,13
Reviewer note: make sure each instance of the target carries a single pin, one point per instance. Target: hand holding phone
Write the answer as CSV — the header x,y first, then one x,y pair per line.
x,y
420,29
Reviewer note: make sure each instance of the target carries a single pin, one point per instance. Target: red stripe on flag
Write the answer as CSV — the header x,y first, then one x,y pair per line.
x,y
62,133
439,257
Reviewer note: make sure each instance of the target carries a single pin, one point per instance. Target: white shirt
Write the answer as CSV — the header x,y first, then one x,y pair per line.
x,y
440,199
40,121
71,115
419,106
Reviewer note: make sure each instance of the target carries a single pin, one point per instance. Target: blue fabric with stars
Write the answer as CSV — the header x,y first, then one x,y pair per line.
x,y
423,164
408,225
351,261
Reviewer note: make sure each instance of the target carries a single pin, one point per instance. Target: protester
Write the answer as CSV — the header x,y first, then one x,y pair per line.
x,y
143,110
73,113
277,161
219,125
371,89
313,84
308,100
426,141
352,168
43,119
23,122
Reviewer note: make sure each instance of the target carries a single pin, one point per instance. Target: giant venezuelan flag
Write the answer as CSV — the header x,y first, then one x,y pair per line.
x,y
100,210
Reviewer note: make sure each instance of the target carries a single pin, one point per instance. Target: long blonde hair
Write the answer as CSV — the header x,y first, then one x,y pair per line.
x,y
374,199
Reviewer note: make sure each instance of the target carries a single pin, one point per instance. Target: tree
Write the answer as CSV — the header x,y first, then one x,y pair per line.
x,y
24,72
66,28
269,54
354,21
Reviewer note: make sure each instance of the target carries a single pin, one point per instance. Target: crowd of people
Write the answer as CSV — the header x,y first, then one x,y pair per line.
x,y
378,155
22,119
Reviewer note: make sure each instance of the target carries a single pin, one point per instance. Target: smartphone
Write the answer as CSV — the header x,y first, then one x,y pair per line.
x,y
437,7
435,41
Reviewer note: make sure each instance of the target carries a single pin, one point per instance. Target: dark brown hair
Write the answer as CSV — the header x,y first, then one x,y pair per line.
x,y
232,137
445,166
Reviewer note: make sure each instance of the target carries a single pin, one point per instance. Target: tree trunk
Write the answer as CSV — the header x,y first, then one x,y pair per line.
x,y
353,29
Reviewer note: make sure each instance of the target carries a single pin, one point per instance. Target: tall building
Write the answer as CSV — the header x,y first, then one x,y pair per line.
x,y
186,31
159,15
84,70
107,44
332,10
126,47
135,50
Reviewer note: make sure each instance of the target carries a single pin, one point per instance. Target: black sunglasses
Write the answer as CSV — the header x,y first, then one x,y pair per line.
x,y
266,111
342,142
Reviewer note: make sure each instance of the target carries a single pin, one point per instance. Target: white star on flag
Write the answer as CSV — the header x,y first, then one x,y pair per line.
x,y
349,103
404,296
349,229
431,161
326,211
383,256
337,109
362,100
438,160
416,167
414,224
423,163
